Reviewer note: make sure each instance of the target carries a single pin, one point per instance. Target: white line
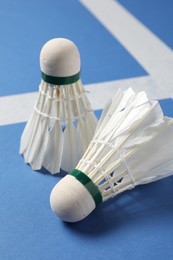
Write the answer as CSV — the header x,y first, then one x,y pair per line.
x,y
101,92
153,54
17,108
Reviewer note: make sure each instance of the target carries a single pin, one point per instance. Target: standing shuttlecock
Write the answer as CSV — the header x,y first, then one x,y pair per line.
x,y
132,145
62,123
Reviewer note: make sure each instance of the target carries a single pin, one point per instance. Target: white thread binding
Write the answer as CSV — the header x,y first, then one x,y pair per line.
x,y
61,99
120,156
102,172
82,115
104,142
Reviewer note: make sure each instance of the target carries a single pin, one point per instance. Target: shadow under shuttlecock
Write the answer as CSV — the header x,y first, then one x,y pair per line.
x,y
142,204
61,174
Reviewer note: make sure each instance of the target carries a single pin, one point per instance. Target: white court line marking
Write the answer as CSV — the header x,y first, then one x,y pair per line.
x,y
16,108
23,104
101,92
153,55
150,52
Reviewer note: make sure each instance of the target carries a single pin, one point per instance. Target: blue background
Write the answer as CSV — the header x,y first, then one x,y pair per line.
x,y
138,224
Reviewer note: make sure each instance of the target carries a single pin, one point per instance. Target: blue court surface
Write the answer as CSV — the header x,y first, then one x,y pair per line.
x,y
122,44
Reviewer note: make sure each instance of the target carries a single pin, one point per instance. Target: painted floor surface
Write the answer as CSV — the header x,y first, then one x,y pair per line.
x,y
122,44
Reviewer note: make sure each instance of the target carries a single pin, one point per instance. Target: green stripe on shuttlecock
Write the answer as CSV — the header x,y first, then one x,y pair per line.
x,y
60,80
89,185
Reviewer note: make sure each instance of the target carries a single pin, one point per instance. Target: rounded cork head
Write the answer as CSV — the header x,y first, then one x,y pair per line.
x,y
70,200
60,57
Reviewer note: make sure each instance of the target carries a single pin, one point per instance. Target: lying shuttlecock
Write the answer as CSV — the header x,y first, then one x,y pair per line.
x,y
132,145
62,123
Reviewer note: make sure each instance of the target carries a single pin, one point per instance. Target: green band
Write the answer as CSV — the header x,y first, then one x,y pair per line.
x,y
60,80
89,185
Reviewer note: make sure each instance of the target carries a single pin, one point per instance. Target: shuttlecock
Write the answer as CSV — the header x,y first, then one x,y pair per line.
x,y
62,123
132,145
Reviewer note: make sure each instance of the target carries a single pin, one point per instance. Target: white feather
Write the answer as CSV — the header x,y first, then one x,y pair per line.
x,y
60,128
132,145
72,151
53,149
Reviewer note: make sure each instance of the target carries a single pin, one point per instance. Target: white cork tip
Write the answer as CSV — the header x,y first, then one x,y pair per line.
x,y
60,57
70,200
